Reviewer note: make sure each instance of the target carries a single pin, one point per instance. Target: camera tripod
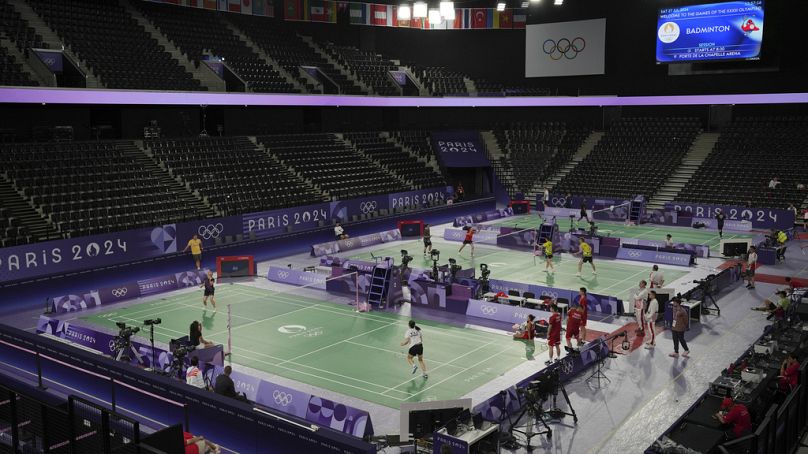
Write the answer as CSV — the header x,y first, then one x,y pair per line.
x,y
707,295
122,347
598,376
535,415
558,413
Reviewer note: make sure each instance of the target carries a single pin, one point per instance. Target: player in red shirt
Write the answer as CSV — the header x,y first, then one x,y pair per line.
x,y
526,330
554,334
198,445
737,415
469,240
584,303
789,373
574,318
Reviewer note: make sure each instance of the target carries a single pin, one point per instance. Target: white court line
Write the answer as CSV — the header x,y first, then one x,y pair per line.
x,y
339,342
633,276
255,322
398,353
446,364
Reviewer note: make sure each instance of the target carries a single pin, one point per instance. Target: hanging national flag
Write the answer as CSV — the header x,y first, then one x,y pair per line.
x,y
480,18
209,4
293,9
222,6
417,22
360,13
519,18
503,19
322,11
246,6
234,6
382,15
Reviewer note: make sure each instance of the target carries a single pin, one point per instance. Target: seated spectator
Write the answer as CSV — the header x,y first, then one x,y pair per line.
x,y
193,375
525,330
339,232
789,374
198,445
735,414
224,385
775,309
195,336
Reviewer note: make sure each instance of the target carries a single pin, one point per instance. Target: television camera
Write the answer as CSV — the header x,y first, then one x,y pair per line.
x,y
706,289
406,258
122,343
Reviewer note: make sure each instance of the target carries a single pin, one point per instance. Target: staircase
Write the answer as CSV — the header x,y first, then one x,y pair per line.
x,y
344,71
470,86
580,155
11,49
348,143
143,156
430,160
203,74
323,194
422,90
502,167
52,39
269,60
20,208
697,153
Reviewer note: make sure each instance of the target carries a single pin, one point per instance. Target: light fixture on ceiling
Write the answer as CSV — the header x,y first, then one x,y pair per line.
x,y
419,10
434,16
501,6
404,12
447,10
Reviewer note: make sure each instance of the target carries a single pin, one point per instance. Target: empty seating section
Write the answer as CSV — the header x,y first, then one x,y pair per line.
x,y
17,29
416,140
283,45
232,173
748,154
396,160
198,33
441,81
366,66
488,88
13,233
11,72
90,187
331,164
535,151
119,51
635,156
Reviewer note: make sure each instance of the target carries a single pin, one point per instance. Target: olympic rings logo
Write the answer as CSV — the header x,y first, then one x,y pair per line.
x,y
553,295
211,230
348,243
564,48
634,254
367,207
559,201
112,345
283,274
119,292
282,398
488,310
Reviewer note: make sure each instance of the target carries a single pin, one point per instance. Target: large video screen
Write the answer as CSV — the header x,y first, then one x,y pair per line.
x,y
715,31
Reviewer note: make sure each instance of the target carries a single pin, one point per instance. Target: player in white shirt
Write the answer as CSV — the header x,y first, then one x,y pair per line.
x,y
650,317
639,296
339,232
774,182
656,277
751,262
669,241
193,375
416,341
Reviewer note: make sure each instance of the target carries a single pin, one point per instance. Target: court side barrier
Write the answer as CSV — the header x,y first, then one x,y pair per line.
x,y
153,399
332,247
317,410
482,217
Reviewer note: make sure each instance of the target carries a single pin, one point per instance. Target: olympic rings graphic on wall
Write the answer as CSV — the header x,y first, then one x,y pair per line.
x,y
119,292
211,231
564,48
367,207
282,398
488,310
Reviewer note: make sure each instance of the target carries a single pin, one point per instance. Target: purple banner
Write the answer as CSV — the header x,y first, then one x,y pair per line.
x,y
333,247
276,222
344,210
700,250
761,218
296,277
419,198
126,291
481,237
53,59
482,217
730,225
460,149
400,77
597,303
503,312
661,257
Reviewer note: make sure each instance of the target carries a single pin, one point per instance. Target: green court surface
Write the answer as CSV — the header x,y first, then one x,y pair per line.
x,y
645,232
613,278
333,347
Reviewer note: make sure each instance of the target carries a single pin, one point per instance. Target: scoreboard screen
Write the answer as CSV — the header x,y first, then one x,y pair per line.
x,y
715,31
235,266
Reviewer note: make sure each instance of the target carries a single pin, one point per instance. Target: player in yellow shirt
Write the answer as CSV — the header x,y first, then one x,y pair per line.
x,y
548,255
586,256
196,250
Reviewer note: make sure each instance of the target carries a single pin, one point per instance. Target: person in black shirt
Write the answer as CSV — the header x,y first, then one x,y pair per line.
x,y
195,336
720,217
210,290
224,384
427,240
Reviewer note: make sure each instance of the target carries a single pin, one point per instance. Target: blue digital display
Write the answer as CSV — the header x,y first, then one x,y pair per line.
x,y
716,31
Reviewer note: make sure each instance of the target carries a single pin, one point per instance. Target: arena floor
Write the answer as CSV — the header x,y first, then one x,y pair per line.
x,y
333,347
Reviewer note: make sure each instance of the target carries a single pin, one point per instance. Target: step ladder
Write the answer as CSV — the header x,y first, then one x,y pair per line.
x,y
379,285
636,210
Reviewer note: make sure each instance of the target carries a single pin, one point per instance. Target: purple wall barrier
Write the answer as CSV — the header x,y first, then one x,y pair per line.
x,y
597,303
482,237
523,239
503,312
712,224
761,218
333,247
482,217
126,291
286,275
700,250
414,199
662,257
460,149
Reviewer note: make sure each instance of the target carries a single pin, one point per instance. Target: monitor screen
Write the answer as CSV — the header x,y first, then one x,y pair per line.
x,y
713,31
424,422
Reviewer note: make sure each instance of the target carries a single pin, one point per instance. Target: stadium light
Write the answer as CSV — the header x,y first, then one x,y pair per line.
x,y
404,12
535,2
501,6
525,4
419,10
435,17
447,10
559,2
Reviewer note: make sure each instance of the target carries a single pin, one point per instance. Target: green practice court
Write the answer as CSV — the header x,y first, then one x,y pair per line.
x,y
613,278
644,232
331,346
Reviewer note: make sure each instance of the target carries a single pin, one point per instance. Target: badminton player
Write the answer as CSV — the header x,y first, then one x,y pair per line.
x,y
416,341
468,240
554,334
574,317
548,255
427,240
720,217
584,214
586,256
526,330
650,317
583,302
208,282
